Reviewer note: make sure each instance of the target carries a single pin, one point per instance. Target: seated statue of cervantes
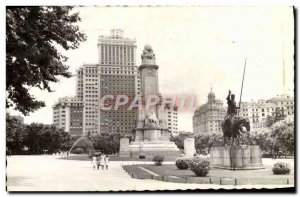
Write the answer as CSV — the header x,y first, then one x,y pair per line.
x,y
151,120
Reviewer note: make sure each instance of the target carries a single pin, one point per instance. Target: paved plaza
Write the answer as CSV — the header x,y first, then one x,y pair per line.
x,y
48,173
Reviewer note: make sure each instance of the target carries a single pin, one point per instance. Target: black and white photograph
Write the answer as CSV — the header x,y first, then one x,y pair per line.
x,y
115,98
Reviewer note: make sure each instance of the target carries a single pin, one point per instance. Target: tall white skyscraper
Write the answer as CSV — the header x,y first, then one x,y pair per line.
x,y
116,74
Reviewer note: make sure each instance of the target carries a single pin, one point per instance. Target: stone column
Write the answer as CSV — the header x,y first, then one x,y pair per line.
x,y
189,146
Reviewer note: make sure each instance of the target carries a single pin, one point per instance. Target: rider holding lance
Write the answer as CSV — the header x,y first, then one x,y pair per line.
x,y
232,108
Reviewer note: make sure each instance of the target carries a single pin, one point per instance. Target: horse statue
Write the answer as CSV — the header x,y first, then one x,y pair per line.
x,y
237,128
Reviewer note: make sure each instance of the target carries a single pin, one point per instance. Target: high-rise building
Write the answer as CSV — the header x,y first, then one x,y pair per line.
x,y
209,116
172,120
67,114
115,74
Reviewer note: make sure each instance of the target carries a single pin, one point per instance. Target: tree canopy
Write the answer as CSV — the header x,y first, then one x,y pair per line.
x,y
33,35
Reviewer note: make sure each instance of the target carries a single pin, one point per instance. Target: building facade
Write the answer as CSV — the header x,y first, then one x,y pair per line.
x,y
286,103
208,117
68,115
172,121
115,74
257,112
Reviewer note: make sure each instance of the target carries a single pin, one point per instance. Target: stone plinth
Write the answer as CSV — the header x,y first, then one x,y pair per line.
x,y
152,148
189,146
244,157
124,148
152,134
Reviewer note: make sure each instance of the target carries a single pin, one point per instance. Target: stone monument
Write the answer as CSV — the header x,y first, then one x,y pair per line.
x,y
236,154
151,135
189,146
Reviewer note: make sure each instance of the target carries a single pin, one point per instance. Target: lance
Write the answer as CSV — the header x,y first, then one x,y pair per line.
x,y
243,82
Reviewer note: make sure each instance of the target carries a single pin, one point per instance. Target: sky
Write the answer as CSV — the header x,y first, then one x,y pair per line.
x,y
197,48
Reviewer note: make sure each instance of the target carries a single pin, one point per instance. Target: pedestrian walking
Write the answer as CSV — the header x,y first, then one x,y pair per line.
x,y
102,161
94,162
106,162
98,161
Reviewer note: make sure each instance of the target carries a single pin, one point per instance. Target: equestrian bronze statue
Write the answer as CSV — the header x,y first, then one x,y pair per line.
x,y
234,127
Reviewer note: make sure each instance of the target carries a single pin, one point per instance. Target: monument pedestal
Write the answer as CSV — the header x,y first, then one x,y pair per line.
x,y
151,135
243,157
153,148
149,148
189,147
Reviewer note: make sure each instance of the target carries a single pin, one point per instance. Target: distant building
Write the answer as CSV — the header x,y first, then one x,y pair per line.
x,y
68,115
286,103
172,121
208,117
257,112
20,119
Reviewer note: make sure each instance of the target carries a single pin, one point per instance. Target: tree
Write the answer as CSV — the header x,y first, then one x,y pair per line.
x,y
178,140
14,135
33,138
270,121
263,139
109,143
33,35
202,142
283,135
41,138
279,138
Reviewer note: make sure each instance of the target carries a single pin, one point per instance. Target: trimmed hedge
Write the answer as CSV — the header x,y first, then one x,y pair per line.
x,y
182,163
200,166
158,160
281,168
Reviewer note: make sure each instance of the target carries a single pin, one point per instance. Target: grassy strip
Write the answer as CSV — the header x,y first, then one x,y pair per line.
x,y
170,173
135,172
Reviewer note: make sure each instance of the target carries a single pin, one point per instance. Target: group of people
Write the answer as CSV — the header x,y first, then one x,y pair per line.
x,y
100,161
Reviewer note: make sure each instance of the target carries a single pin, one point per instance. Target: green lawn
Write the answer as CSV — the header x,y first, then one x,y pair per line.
x,y
172,170
169,172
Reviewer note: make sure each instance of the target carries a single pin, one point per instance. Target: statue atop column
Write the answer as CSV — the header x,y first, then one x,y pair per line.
x,y
148,55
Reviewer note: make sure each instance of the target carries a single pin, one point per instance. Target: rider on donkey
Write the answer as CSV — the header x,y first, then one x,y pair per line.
x,y
231,110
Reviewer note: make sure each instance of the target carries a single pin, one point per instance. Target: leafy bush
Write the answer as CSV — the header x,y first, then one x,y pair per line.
x,y
281,168
182,163
142,156
158,160
78,151
199,166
